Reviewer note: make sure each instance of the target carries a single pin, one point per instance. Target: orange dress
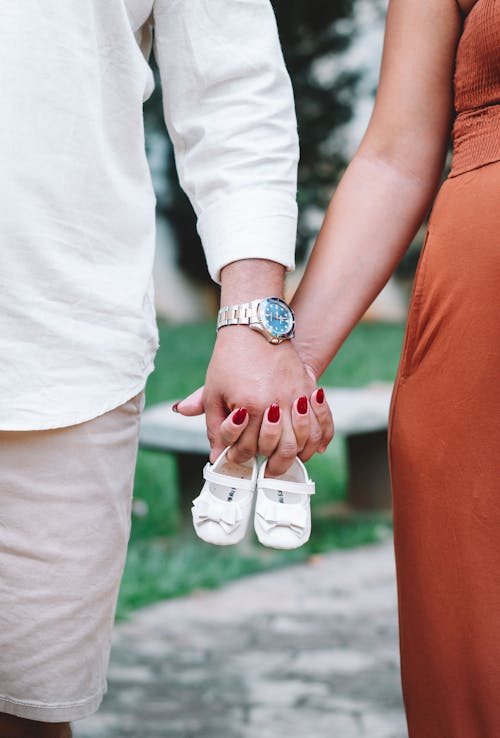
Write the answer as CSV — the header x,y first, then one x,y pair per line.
x,y
444,436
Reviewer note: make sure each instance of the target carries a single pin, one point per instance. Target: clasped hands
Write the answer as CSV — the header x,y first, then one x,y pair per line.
x,y
260,398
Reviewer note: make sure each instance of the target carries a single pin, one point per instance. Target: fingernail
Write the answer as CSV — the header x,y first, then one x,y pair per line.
x,y
302,405
240,416
273,414
320,396
175,407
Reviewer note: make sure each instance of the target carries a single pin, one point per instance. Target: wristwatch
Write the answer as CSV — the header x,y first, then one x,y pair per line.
x,y
271,316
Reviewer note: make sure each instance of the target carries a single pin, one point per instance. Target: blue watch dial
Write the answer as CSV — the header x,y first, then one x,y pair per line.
x,y
276,316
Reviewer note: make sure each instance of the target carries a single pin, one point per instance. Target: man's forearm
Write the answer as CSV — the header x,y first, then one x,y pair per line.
x,y
230,114
249,279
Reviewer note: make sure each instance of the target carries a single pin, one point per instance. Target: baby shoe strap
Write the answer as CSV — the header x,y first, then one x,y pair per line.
x,y
227,481
227,514
303,488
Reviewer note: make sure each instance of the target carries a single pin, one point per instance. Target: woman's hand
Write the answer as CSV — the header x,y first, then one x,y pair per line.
x,y
271,427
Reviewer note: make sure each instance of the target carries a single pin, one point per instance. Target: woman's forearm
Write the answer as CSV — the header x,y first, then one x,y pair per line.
x,y
388,187
369,224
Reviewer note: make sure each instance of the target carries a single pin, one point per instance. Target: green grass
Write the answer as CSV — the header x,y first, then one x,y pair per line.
x,y
165,560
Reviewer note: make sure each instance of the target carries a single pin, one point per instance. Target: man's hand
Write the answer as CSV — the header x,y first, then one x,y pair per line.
x,y
247,372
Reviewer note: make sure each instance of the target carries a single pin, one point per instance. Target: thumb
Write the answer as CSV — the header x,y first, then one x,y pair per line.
x,y
192,404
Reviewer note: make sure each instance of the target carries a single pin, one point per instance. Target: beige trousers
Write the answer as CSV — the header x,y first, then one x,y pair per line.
x,y
65,497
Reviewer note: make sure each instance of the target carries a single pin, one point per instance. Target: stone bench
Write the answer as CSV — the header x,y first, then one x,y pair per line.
x,y
360,415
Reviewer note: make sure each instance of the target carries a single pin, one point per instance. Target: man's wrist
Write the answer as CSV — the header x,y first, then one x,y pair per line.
x,y
248,279
269,316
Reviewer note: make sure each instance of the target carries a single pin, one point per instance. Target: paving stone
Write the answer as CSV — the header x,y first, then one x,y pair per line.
x,y
130,674
383,724
301,723
323,662
311,650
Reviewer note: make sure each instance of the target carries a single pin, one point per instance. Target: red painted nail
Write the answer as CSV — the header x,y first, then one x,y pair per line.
x,y
302,405
175,407
273,414
240,416
320,396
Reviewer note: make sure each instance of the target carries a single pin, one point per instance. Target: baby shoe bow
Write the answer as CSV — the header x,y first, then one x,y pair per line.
x,y
282,510
227,514
272,514
221,511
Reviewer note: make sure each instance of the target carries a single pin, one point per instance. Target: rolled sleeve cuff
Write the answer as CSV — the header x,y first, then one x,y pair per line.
x,y
249,224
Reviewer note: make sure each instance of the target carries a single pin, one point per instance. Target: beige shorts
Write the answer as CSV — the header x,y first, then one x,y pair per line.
x,y
65,498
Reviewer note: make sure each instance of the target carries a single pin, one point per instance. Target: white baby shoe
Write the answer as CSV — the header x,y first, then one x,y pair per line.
x,y
222,510
283,511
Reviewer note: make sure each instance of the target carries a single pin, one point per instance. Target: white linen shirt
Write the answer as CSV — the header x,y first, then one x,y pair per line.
x,y
78,332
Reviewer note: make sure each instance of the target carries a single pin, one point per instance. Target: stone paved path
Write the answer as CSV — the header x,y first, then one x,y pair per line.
x,y
305,652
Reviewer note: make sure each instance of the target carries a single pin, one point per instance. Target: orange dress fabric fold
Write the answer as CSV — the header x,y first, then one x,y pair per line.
x,y
444,433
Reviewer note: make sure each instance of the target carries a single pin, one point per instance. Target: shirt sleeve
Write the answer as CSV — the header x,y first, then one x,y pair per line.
x,y
229,110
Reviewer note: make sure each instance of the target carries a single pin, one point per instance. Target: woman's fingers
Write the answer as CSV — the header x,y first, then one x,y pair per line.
x,y
324,417
270,430
233,426
311,441
312,424
192,404
301,422
283,456
304,431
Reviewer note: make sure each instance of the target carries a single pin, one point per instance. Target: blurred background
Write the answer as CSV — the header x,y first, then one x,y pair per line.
x,y
332,51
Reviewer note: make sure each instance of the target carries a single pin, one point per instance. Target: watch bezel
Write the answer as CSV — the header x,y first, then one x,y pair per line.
x,y
261,313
